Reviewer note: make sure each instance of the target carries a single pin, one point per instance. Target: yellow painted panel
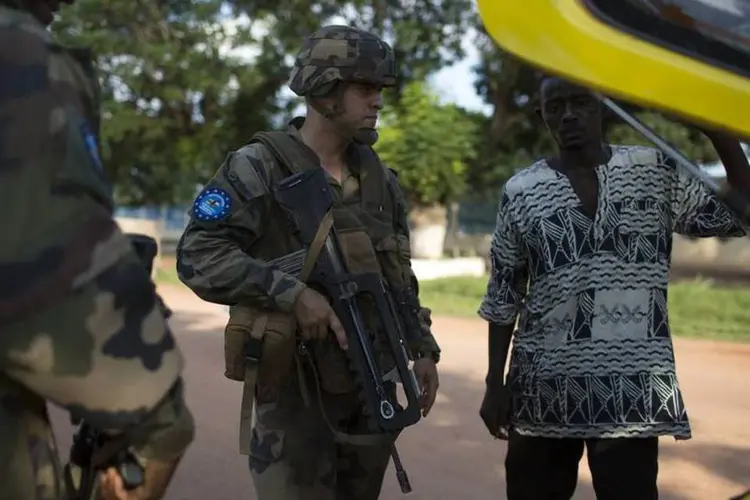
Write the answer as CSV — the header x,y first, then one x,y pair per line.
x,y
563,37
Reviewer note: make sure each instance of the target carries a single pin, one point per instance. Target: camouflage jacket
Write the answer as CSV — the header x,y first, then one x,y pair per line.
x,y
215,261
80,325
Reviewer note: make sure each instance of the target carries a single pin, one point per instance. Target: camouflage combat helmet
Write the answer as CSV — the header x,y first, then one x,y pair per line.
x,y
341,54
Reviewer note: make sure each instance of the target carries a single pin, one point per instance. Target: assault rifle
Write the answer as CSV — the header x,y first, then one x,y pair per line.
x,y
307,199
92,451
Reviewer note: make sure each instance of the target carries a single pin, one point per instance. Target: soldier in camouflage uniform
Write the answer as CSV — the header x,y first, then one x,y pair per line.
x,y
295,454
80,324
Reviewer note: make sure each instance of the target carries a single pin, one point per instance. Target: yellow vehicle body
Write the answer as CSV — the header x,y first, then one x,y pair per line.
x,y
563,37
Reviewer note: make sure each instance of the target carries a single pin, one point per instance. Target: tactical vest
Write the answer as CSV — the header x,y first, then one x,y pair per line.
x,y
260,346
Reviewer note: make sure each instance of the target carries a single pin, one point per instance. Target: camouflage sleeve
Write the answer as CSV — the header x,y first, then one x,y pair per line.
x,y
81,323
62,233
428,343
107,355
229,216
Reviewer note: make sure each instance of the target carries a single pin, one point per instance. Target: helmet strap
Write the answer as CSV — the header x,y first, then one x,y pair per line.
x,y
332,113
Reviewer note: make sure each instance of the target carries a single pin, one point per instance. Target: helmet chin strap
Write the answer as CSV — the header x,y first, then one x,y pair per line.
x,y
364,135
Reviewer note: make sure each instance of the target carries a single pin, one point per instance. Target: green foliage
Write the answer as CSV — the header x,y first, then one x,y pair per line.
x,y
428,144
186,81
167,90
177,96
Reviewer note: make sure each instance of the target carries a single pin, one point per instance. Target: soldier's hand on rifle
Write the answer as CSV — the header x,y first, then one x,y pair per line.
x,y
315,317
425,370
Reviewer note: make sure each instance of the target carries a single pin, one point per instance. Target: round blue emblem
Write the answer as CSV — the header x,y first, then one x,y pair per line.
x,y
212,204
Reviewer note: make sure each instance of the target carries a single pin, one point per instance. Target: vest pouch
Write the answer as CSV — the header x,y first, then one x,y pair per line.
x,y
358,251
394,255
276,332
331,361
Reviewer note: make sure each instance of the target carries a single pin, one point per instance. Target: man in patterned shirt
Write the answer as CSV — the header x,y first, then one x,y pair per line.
x,y
580,256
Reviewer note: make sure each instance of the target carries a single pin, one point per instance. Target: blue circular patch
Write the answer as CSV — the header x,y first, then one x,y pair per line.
x,y
212,204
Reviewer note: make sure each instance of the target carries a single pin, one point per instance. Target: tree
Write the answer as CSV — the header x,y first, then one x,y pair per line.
x,y
428,144
186,81
168,85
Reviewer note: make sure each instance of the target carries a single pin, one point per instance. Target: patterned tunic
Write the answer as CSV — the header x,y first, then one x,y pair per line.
x,y
592,354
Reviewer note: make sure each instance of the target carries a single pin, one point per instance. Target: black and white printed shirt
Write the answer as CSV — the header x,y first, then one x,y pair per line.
x,y
592,354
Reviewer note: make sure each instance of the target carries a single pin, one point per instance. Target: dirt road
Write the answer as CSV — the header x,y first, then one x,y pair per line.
x,y
449,456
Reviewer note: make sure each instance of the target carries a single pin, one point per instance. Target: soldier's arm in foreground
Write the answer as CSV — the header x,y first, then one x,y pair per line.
x,y
213,255
81,325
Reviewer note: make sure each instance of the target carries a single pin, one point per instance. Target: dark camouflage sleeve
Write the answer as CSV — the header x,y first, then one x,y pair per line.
x,y
61,233
227,218
429,343
81,325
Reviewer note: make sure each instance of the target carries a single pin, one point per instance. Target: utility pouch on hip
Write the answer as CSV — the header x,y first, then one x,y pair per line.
x,y
259,348
260,340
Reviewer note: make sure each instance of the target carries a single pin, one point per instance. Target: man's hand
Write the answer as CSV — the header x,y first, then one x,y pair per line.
x,y
111,487
315,317
495,410
425,369
157,478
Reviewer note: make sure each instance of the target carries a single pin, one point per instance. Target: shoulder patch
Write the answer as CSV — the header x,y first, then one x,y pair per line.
x,y
212,204
91,145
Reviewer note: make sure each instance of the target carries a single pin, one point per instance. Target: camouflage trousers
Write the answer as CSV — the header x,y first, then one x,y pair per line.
x,y
294,455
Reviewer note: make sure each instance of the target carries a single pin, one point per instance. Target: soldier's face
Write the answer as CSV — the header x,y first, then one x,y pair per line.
x,y
44,10
362,104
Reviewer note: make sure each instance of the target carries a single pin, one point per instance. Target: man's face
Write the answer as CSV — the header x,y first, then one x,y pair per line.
x,y
571,113
361,104
44,10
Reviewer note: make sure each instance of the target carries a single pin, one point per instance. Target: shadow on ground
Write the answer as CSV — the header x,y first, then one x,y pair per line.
x,y
448,455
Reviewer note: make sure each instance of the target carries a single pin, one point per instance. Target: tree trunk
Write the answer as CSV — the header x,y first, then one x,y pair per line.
x,y
428,229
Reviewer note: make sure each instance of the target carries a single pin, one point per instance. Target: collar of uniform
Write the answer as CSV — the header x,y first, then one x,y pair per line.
x,y
351,154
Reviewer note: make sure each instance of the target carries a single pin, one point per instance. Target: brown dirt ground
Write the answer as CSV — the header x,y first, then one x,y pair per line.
x,y
449,455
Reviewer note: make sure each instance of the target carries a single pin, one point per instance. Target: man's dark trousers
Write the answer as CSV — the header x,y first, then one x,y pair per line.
x,y
547,468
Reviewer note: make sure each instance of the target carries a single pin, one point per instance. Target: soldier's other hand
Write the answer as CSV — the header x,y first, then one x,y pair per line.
x,y
315,317
495,410
425,370
111,487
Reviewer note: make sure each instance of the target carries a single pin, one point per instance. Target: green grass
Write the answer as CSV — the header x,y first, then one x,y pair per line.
x,y
453,296
167,276
697,308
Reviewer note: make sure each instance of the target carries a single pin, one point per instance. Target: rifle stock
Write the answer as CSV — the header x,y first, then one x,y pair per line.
x,y
307,198
88,442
